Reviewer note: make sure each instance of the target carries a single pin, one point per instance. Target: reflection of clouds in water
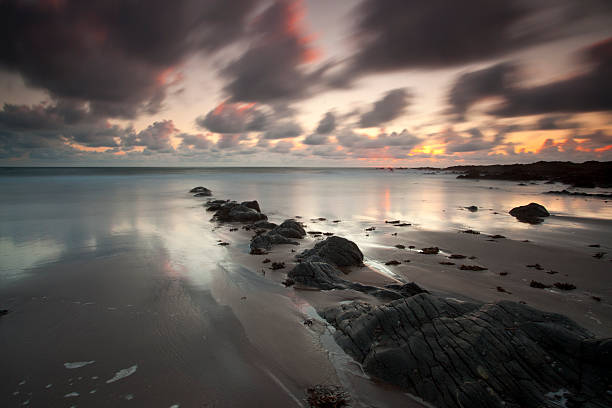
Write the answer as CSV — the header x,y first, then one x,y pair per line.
x,y
17,257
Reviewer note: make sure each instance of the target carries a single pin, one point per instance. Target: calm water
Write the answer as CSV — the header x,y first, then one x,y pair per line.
x,y
49,214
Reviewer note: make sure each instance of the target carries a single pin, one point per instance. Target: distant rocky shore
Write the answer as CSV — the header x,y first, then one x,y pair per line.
x,y
589,174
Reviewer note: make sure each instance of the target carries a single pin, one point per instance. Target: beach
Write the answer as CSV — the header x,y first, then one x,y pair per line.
x,y
118,292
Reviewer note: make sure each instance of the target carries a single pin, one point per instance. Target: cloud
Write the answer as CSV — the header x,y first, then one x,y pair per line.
x,y
227,141
475,141
474,86
327,124
282,147
316,139
283,130
155,138
391,106
233,118
407,34
118,56
272,69
588,91
405,140
197,142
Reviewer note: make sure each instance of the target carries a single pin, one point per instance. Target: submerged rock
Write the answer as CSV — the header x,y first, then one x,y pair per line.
x,y
531,213
457,354
472,208
335,250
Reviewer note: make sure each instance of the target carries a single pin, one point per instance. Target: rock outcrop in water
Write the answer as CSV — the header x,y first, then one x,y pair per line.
x,y
461,354
531,213
284,233
201,191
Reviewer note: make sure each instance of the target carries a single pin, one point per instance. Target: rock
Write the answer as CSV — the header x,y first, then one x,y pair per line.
x,y
470,231
393,222
536,266
278,235
472,268
538,285
264,242
267,260
565,286
335,250
430,250
457,256
400,246
370,229
290,229
277,265
320,275
447,263
455,353
497,236
472,208
403,224
531,213
263,224
327,396
201,191
251,204
599,255
231,211
393,262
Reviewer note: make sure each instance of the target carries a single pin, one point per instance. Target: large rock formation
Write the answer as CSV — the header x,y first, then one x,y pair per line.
x,y
461,354
335,250
531,213
281,234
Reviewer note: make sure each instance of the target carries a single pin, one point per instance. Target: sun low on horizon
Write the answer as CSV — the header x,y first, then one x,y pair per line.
x,y
304,83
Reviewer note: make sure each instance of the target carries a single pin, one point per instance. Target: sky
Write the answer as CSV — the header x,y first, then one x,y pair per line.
x,y
304,83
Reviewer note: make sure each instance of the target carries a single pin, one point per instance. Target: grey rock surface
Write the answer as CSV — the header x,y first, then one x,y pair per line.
x,y
461,354
284,233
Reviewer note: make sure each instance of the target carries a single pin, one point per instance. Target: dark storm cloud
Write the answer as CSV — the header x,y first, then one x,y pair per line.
x,y
44,125
391,106
591,91
404,34
585,92
272,68
116,55
233,118
474,86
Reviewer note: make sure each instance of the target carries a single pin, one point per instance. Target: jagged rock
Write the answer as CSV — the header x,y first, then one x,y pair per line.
x,y
334,250
251,204
201,191
457,354
531,213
